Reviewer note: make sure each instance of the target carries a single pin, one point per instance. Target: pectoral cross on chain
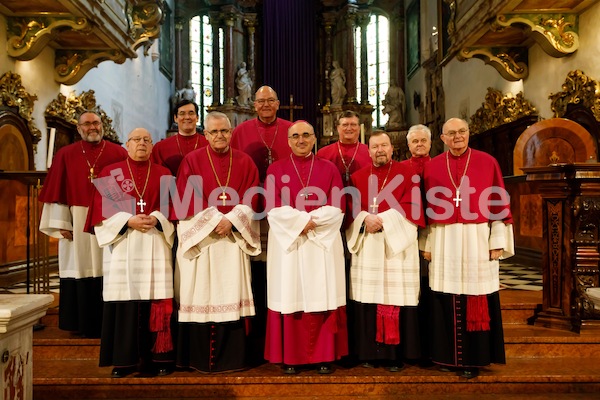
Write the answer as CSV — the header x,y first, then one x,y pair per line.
x,y
223,197
305,194
457,198
141,203
269,157
374,206
92,176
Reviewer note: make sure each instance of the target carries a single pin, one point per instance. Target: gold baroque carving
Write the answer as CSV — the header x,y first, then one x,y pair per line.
x,y
69,108
578,88
510,63
555,33
499,109
30,35
146,20
71,66
13,94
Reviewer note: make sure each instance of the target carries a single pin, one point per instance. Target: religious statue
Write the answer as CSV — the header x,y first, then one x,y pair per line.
x,y
394,104
244,86
186,93
338,84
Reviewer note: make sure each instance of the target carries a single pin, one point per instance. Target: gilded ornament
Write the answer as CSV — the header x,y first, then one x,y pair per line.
x,y
14,95
499,109
69,107
578,88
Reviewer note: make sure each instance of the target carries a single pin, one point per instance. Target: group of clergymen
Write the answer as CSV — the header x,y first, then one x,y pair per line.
x,y
163,247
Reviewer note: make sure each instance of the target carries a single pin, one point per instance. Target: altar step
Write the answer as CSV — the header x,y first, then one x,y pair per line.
x,y
541,364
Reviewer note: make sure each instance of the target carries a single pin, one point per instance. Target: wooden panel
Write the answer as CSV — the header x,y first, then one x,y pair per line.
x,y
553,141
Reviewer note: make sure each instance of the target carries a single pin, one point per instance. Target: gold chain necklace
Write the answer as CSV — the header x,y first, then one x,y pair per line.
x,y
375,206
179,146
140,203
312,163
92,166
347,167
223,196
457,199
269,149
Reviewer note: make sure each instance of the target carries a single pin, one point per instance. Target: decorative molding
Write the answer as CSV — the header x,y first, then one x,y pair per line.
x,y
499,109
146,20
555,33
71,66
511,63
14,95
578,88
69,108
31,35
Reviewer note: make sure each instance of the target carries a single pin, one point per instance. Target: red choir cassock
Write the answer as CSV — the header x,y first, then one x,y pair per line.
x,y
244,176
264,143
170,151
306,319
124,174
348,158
397,178
136,325
417,164
467,220
461,203
382,188
68,181
69,184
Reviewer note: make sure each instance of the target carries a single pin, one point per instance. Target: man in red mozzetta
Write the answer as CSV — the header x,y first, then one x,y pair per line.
x,y
130,218
67,194
470,229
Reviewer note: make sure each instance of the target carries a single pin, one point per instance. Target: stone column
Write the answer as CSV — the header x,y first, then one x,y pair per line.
x,y
350,66
397,48
229,18
329,20
250,24
179,59
363,20
19,312
215,20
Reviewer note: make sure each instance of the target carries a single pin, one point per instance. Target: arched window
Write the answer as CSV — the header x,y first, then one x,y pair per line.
x,y
378,64
201,49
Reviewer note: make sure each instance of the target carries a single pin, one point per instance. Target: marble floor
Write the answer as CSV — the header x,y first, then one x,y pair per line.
x,y
512,276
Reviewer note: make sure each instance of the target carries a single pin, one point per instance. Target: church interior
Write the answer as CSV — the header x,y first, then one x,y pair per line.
x,y
523,73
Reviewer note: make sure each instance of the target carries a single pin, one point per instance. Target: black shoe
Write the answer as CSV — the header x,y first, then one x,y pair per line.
x,y
289,370
396,366
164,371
368,365
470,373
120,372
444,368
324,369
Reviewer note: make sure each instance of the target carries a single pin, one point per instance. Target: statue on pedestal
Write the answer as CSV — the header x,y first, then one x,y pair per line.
x,y
338,84
186,93
244,86
394,104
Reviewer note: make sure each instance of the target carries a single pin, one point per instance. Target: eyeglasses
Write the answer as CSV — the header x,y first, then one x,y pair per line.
x,y
297,136
263,101
186,114
223,132
146,140
462,131
87,125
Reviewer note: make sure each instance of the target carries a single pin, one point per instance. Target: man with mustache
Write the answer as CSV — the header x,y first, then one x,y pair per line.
x,y
67,193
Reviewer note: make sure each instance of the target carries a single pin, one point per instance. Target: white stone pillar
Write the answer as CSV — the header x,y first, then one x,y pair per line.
x,y
18,314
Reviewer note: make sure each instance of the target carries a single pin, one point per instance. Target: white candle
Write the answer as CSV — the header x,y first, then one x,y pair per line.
x,y
51,147
362,133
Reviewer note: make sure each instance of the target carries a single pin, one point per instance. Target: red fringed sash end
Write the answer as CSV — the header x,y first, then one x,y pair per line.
x,y
478,317
160,322
388,324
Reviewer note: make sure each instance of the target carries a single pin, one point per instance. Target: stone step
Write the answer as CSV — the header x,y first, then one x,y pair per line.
x,y
569,378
